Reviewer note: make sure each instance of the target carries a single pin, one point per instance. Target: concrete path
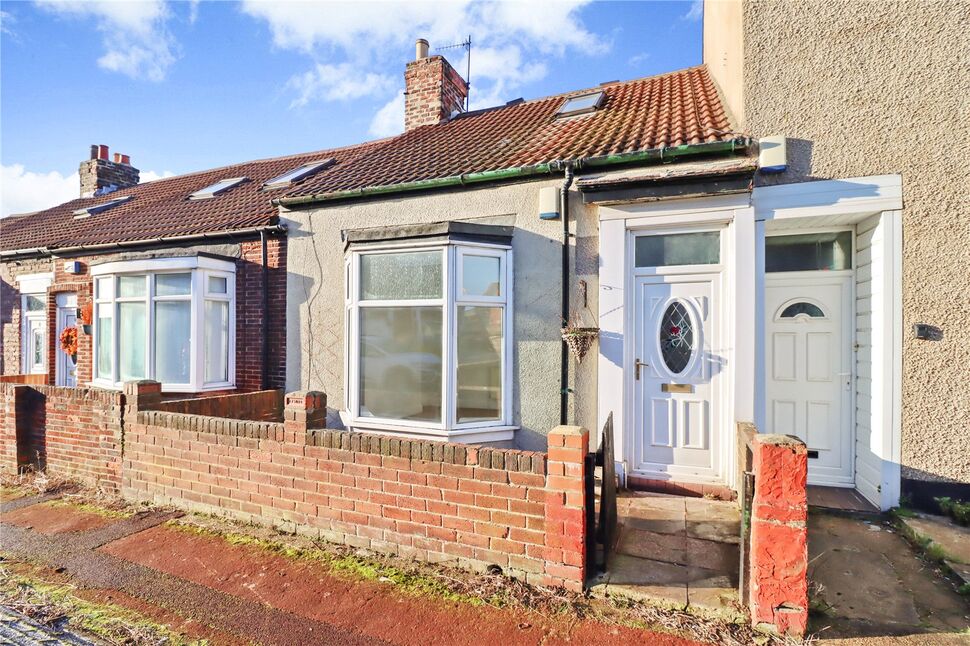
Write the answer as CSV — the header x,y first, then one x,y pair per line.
x,y
676,551
867,581
941,534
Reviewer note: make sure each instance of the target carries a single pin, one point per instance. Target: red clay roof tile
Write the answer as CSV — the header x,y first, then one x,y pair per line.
x,y
667,110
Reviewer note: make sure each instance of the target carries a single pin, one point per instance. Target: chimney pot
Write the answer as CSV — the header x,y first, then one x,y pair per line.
x,y
94,151
102,152
99,178
117,158
421,49
126,160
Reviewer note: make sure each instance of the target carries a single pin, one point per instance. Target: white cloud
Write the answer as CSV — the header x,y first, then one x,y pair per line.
x,y
7,19
695,12
637,59
389,120
357,45
136,39
337,83
24,191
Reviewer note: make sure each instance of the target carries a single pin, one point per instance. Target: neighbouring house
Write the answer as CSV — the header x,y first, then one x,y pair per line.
x,y
422,281
869,99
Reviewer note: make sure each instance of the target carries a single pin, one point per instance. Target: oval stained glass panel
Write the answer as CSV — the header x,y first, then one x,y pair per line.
x,y
676,337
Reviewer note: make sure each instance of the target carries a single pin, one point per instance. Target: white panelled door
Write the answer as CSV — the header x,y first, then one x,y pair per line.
x,y
675,376
808,368
65,370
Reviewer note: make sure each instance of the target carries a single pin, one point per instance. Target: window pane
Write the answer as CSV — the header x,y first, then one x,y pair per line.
x,y
104,287
173,284
400,276
38,346
679,249
400,363
34,303
217,285
216,341
131,286
809,252
479,363
808,309
172,341
104,342
131,340
480,276
676,337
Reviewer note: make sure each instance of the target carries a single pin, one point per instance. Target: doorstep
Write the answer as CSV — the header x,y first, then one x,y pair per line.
x,y
678,488
676,552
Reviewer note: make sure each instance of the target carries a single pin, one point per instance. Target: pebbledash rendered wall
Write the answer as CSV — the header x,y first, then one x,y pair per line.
x,y
847,84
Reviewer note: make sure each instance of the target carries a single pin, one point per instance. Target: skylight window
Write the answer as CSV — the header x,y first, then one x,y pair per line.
x,y
298,173
581,104
218,188
98,208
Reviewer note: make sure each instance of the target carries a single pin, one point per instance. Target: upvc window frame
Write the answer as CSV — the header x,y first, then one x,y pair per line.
x,y
452,255
199,269
36,286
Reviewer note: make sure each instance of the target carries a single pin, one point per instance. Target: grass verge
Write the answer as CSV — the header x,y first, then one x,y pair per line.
x,y
55,604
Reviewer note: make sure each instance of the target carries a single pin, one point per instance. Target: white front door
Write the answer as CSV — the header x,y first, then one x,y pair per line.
x,y
808,368
676,371
66,367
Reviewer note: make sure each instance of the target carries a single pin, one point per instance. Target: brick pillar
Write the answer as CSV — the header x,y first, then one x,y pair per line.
x,y
8,428
566,508
302,411
779,535
143,394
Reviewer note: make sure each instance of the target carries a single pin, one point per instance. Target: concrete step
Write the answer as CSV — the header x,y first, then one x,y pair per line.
x,y
679,549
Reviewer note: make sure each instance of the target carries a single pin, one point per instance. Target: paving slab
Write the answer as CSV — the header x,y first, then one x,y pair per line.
x,y
713,520
645,580
951,539
868,582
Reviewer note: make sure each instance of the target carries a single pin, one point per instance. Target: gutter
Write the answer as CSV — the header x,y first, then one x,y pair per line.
x,y
521,172
121,246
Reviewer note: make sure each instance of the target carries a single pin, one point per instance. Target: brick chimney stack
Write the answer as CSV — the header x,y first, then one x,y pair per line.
x,y
100,175
433,90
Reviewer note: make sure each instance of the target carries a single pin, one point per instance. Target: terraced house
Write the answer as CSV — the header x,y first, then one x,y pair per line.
x,y
670,257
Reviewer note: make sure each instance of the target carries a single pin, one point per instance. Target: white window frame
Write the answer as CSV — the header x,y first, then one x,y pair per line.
x,y
35,285
452,254
200,269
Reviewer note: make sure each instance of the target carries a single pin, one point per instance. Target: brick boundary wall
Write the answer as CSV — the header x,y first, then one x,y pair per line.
x,y
74,432
475,507
9,394
778,565
39,380
262,405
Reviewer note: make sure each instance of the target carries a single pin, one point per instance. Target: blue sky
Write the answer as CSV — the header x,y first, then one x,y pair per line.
x,y
182,86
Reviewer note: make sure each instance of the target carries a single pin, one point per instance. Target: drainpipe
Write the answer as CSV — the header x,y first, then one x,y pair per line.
x,y
564,351
265,347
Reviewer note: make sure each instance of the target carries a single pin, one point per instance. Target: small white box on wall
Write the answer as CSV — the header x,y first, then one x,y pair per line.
x,y
772,154
72,267
549,203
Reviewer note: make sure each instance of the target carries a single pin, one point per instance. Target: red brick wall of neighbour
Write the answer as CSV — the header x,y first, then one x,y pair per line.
x,y
73,432
262,405
250,317
8,428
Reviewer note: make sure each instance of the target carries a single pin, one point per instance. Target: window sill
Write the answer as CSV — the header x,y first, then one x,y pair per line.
x,y
474,435
178,388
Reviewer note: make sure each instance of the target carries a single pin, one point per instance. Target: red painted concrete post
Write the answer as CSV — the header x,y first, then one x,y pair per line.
x,y
779,535
303,410
566,508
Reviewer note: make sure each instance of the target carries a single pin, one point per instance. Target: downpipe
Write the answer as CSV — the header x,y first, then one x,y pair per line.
x,y
564,350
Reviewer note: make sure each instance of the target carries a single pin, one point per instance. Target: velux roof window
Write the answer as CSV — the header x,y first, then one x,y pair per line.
x,y
218,188
98,208
297,174
581,104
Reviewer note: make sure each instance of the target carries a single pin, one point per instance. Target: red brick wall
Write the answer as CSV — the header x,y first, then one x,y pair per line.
x,y
437,502
8,427
433,90
73,432
250,318
261,405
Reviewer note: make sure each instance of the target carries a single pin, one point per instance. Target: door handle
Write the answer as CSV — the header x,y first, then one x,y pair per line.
x,y
636,365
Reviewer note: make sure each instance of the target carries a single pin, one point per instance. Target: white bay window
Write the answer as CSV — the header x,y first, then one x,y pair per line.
x,y
429,338
167,319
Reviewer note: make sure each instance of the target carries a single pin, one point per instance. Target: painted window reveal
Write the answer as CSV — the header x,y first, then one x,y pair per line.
x,y
431,333
166,322
808,309
701,248
676,337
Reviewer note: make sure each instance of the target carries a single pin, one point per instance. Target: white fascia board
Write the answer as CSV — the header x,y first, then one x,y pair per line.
x,y
857,195
163,264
